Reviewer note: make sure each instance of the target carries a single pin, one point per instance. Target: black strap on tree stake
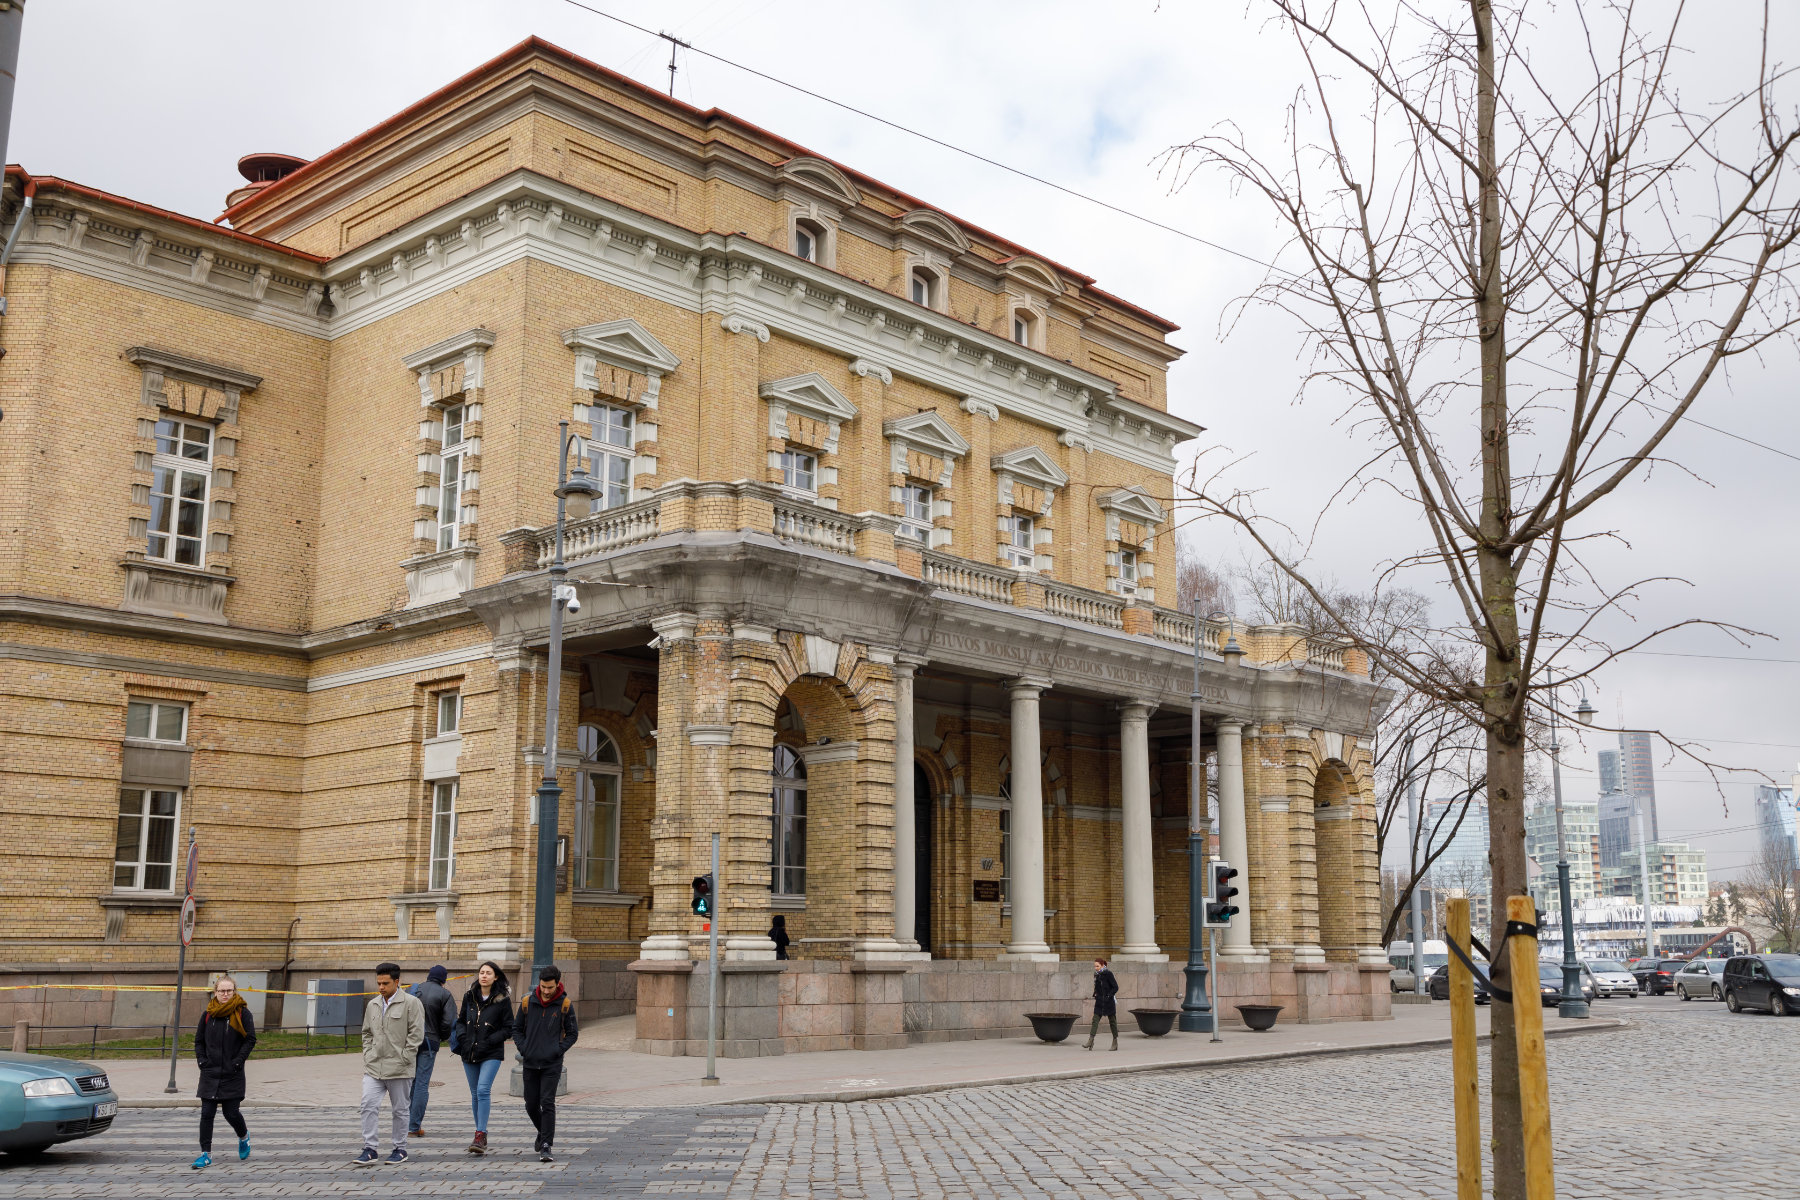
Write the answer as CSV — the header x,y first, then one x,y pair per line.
x,y
1522,928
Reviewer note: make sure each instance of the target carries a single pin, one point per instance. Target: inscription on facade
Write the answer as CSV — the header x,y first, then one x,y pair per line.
x,y
987,890
1058,662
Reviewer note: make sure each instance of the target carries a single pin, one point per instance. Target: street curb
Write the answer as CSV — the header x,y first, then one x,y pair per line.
x,y
194,1102
1601,1025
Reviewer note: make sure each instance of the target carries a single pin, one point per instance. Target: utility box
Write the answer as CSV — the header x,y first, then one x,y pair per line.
x,y
330,1010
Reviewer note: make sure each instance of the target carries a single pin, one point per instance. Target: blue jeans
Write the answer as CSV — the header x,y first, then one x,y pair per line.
x,y
481,1084
422,1084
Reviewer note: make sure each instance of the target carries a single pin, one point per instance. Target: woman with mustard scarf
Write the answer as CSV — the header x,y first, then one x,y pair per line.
x,y
222,1042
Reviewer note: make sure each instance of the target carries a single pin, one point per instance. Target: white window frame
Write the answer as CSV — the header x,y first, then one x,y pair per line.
x,y
922,279
156,708
1128,572
140,865
177,462
814,234
915,517
787,809
1020,549
599,801
451,475
449,705
441,870
611,452
792,472
1024,328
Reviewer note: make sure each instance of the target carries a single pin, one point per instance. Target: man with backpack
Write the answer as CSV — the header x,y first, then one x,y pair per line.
x,y
543,1032
440,1019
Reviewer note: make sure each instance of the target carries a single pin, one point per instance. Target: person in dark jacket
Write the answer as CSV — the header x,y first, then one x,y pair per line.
x,y
543,1032
222,1041
779,935
483,1027
440,1019
1105,988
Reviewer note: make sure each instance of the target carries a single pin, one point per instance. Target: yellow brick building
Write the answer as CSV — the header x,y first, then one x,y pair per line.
x,y
886,508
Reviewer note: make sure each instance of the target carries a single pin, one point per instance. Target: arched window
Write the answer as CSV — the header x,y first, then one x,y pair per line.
x,y
597,810
787,839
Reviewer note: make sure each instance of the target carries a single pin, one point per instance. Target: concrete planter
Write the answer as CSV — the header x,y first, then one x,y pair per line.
x,y
1259,1018
1052,1027
1154,1022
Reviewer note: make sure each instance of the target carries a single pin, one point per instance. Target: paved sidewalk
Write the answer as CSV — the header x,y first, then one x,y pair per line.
x,y
604,1071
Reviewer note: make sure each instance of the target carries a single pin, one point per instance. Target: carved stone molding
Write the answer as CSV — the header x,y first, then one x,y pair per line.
x,y
443,575
737,324
166,590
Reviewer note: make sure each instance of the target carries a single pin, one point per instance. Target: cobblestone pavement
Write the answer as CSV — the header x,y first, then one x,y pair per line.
x,y
1668,1093
306,1152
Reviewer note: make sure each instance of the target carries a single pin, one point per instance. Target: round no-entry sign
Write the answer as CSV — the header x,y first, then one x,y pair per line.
x,y
188,911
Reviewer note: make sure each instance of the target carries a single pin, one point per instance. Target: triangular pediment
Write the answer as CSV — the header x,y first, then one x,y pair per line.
x,y
811,395
1032,465
929,432
1134,504
623,343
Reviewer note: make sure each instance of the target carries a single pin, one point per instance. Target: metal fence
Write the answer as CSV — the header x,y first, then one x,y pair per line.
x,y
107,1041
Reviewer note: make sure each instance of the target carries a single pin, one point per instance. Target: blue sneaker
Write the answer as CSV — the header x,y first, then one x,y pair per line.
x,y
396,1158
243,1149
367,1158
203,1162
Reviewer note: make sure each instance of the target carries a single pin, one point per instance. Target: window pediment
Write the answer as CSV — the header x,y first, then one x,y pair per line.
x,y
1028,464
1132,504
817,175
935,227
190,386
624,344
451,367
928,433
811,395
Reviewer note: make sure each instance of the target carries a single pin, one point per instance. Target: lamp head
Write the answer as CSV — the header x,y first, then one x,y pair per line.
x,y
1231,653
1585,712
579,493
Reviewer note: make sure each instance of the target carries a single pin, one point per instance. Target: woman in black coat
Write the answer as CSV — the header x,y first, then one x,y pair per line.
x,y
1105,988
484,1025
222,1041
779,935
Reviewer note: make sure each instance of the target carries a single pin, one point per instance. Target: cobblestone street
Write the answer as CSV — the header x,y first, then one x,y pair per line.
x,y
1340,1126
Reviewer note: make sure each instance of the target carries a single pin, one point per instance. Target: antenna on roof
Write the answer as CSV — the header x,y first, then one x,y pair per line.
x,y
673,42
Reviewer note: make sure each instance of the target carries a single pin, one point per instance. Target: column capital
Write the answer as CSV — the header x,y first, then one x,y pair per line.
x,y
1027,683
675,626
1234,724
1135,709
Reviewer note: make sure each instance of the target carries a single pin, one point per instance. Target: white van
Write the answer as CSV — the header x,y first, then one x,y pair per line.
x,y
1400,979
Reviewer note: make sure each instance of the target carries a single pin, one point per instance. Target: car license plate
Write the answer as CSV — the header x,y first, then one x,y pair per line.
x,y
108,1109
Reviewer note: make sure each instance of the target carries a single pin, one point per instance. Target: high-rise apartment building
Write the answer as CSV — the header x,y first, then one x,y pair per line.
x,y
1610,780
1778,819
1581,827
1627,786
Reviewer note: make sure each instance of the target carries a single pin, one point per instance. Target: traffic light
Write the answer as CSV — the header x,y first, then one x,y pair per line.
x,y
703,896
1219,909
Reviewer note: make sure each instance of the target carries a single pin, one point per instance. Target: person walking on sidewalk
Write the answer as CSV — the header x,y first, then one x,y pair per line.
x,y
543,1032
1105,988
222,1041
440,1019
483,1027
393,1030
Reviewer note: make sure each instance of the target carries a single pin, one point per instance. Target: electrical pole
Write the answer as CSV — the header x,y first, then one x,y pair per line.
x,y
1412,821
1572,1004
1637,818
1197,1014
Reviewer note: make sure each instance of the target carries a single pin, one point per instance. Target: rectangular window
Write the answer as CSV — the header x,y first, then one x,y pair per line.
x,y
156,721
181,477
915,502
450,479
612,453
449,712
799,470
443,835
597,831
144,855
1020,532
1128,571
1006,855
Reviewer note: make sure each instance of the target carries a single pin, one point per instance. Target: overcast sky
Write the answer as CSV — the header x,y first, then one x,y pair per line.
x,y
157,102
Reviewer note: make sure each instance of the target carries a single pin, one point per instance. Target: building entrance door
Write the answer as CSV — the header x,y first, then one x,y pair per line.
x,y
923,808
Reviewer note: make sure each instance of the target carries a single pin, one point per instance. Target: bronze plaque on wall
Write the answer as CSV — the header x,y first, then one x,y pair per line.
x,y
987,889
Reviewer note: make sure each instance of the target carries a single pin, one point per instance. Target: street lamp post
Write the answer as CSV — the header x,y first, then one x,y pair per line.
x,y
1197,1015
574,496
1571,1005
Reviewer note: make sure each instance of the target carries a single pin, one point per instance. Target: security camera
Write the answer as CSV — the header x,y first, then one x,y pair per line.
x,y
574,603
565,592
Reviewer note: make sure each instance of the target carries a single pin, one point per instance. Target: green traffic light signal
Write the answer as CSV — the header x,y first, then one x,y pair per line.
x,y
703,899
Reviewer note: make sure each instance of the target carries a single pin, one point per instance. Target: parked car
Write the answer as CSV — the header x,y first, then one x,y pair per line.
x,y
1437,985
1703,977
1770,981
46,1100
1550,983
1612,978
1657,975
1400,978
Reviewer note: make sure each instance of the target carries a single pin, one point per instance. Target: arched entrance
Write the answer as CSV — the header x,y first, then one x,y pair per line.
x,y
923,809
1336,838
813,848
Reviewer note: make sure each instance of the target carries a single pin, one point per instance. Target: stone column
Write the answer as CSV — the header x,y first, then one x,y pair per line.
x,y
1234,842
1139,845
1027,866
905,830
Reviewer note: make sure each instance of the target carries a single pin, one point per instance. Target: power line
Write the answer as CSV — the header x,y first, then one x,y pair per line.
x,y
1749,658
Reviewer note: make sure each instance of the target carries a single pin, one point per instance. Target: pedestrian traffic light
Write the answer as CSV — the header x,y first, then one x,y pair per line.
x,y
703,896
1219,909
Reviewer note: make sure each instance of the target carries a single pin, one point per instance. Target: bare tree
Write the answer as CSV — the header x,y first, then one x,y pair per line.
x,y
1195,577
1769,893
1523,250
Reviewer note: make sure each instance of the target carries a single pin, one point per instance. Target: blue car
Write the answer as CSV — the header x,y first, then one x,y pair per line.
x,y
48,1100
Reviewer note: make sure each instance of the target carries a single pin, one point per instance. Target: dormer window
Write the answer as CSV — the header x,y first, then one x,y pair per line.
x,y
1024,327
923,287
809,240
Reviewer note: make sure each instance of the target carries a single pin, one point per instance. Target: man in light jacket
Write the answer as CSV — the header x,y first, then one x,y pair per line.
x,y
393,1030
440,1017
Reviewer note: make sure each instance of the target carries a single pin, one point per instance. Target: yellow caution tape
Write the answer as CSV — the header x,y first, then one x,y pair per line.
x,y
169,987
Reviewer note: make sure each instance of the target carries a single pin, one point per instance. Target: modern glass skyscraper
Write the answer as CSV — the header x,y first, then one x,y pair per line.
x,y
1610,779
1627,784
1778,817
